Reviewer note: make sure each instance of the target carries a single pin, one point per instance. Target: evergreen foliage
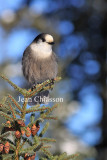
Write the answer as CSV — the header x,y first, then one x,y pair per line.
x,y
20,141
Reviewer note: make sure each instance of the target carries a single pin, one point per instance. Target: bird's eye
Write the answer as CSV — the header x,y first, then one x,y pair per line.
x,y
43,40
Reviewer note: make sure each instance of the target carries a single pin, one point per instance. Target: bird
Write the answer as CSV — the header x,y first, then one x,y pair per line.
x,y
39,62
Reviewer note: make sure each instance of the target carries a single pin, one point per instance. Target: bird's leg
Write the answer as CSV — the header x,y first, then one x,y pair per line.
x,y
33,87
51,83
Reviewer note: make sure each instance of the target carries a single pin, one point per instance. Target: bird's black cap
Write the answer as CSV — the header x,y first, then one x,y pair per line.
x,y
45,38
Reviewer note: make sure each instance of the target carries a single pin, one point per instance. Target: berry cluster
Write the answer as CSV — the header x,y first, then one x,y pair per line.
x,y
4,148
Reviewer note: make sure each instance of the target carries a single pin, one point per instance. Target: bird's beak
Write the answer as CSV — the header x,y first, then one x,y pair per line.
x,y
51,43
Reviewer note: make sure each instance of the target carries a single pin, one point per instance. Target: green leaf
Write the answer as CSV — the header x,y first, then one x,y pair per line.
x,y
6,116
44,129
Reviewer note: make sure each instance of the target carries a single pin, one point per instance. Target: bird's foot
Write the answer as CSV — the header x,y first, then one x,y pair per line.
x,y
33,87
51,83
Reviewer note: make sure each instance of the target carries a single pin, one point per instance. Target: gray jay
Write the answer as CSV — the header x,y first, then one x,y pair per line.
x,y
39,62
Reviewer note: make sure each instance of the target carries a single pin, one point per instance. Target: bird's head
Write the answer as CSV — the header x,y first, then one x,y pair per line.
x,y
44,38
42,45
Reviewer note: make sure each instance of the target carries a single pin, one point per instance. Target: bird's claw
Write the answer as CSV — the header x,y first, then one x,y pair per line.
x,y
33,87
51,83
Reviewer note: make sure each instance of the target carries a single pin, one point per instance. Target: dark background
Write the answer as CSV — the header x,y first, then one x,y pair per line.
x,y
79,29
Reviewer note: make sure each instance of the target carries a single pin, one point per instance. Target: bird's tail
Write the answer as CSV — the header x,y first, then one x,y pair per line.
x,y
41,98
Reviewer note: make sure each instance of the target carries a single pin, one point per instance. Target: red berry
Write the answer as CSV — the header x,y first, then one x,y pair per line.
x,y
28,132
6,147
17,134
1,147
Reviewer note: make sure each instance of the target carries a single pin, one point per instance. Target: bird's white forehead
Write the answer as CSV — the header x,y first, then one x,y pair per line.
x,y
49,38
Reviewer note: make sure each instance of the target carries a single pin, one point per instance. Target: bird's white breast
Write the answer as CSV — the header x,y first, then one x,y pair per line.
x,y
41,50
